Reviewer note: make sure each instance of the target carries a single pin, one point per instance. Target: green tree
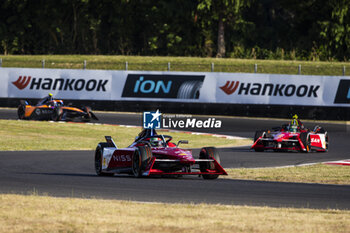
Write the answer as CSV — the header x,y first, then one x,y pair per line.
x,y
222,12
335,29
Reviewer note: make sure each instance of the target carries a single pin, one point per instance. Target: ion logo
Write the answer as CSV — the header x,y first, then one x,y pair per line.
x,y
230,87
21,83
343,92
151,120
149,86
163,86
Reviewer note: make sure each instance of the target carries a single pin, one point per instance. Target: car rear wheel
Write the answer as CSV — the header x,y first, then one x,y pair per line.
x,y
258,134
208,153
98,160
57,114
322,130
21,111
305,139
326,139
87,110
140,159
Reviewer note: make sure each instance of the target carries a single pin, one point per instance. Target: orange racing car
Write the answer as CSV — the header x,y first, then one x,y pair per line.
x,y
54,110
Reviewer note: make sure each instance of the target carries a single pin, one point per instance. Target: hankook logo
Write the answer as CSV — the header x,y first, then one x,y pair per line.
x,y
163,86
60,84
230,87
22,82
270,89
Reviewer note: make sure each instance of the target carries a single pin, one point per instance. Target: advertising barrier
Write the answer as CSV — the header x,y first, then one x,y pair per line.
x,y
177,87
283,89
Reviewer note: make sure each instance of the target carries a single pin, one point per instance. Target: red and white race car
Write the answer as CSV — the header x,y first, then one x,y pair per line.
x,y
153,154
291,138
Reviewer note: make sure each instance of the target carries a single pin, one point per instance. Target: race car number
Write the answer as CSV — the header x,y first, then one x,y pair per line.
x,y
318,140
122,158
39,111
315,140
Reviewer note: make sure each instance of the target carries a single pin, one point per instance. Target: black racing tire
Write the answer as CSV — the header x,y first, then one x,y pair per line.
x,y
326,139
87,110
322,130
189,90
57,114
208,153
140,159
257,135
21,111
319,129
305,139
98,159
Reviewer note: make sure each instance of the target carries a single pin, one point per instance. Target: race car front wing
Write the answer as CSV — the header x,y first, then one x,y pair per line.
x,y
218,169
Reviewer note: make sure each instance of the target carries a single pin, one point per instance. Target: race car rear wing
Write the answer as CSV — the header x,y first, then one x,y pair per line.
x,y
110,141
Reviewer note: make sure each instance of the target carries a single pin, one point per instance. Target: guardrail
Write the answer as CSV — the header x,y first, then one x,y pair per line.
x,y
332,70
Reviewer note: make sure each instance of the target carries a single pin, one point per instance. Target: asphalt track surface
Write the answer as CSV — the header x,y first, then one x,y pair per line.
x,y
71,173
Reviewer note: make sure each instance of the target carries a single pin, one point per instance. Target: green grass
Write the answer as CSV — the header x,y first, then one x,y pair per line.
x,y
36,135
319,173
19,213
176,63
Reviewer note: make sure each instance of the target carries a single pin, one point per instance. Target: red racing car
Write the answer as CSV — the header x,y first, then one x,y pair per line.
x,y
153,154
291,138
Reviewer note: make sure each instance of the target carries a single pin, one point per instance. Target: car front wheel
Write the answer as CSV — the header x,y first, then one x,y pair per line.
x,y
305,139
140,159
209,153
98,159
21,111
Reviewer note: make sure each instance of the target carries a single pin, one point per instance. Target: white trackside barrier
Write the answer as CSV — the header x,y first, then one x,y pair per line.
x,y
188,87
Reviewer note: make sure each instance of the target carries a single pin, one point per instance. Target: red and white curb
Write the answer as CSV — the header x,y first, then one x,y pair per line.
x,y
339,162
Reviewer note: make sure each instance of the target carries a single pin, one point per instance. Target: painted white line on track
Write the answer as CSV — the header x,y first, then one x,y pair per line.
x,y
338,162
286,166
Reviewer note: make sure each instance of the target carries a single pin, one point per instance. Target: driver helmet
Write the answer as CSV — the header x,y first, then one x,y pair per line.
x,y
50,97
294,124
295,120
155,142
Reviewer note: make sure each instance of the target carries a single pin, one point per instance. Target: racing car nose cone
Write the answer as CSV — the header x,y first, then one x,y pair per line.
x,y
188,158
